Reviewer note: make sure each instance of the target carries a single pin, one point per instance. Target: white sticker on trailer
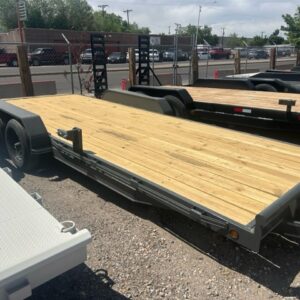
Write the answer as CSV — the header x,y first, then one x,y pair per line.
x,y
247,110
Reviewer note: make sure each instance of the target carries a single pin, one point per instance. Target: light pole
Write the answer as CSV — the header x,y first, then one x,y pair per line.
x,y
127,11
103,6
198,24
223,34
175,53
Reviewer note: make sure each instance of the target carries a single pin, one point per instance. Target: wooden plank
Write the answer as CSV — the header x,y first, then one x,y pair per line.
x,y
234,174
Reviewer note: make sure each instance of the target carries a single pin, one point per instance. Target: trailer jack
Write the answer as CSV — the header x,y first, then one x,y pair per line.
x,y
74,135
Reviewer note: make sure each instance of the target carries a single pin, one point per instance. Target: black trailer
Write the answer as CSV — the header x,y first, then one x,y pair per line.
x,y
239,185
251,109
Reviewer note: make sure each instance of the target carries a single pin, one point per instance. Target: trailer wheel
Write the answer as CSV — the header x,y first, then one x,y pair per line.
x,y
36,62
177,106
2,127
18,147
265,87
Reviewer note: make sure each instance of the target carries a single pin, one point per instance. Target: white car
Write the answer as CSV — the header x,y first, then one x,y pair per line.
x,y
154,55
203,55
136,51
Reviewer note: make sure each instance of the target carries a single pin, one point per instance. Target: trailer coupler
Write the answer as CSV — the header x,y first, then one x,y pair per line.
x,y
74,135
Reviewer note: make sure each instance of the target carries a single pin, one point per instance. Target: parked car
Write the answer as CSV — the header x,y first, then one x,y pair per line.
x,y
257,54
203,55
10,59
243,52
117,57
136,52
219,53
47,56
169,54
86,56
154,55
283,52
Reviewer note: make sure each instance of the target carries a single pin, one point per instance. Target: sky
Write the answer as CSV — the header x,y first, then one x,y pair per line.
x,y
244,17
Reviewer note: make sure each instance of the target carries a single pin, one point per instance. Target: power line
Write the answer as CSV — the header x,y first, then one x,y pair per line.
x,y
127,11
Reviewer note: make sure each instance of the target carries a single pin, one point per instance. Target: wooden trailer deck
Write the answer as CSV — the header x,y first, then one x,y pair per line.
x,y
254,99
234,174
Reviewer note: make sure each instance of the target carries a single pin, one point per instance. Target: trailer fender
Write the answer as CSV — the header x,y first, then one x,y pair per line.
x,y
177,106
138,100
36,132
177,92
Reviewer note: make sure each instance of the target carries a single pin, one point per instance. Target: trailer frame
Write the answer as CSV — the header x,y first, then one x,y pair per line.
x,y
283,211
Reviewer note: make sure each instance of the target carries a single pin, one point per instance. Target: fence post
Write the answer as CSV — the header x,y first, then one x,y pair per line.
x,y
298,57
70,61
26,80
273,58
237,62
195,68
132,68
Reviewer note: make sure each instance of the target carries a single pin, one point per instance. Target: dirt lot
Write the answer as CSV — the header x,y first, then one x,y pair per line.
x,y
140,252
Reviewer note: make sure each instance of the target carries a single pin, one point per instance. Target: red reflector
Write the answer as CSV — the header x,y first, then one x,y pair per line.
x,y
298,118
238,109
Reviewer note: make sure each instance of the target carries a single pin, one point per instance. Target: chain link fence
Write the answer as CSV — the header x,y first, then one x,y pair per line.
x,y
67,67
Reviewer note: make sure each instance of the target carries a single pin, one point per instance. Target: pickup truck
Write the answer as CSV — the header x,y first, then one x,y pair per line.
x,y
10,59
218,53
47,56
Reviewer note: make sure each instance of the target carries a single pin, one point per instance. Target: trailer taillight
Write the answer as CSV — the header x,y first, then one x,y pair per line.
x,y
242,110
234,234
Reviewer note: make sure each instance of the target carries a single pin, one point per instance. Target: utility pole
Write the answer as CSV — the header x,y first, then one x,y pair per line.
x,y
103,6
262,34
178,26
127,11
169,29
223,34
22,16
200,9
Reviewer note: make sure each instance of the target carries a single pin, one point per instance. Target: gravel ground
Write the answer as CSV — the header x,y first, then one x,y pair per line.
x,y
140,252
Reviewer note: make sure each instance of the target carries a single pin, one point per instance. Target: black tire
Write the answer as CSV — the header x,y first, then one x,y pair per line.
x,y
35,62
177,106
265,87
14,63
18,146
2,143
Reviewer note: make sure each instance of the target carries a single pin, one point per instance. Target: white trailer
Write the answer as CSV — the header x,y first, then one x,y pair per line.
x,y
34,246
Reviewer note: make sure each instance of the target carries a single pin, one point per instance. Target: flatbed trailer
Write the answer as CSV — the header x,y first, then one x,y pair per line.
x,y
256,109
237,184
34,246
283,82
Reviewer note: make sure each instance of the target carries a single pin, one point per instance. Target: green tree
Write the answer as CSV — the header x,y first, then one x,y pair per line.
x,y
79,15
8,14
274,38
292,27
64,14
258,41
204,33
234,41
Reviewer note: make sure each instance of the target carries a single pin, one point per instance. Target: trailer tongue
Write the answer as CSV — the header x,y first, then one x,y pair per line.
x,y
239,185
